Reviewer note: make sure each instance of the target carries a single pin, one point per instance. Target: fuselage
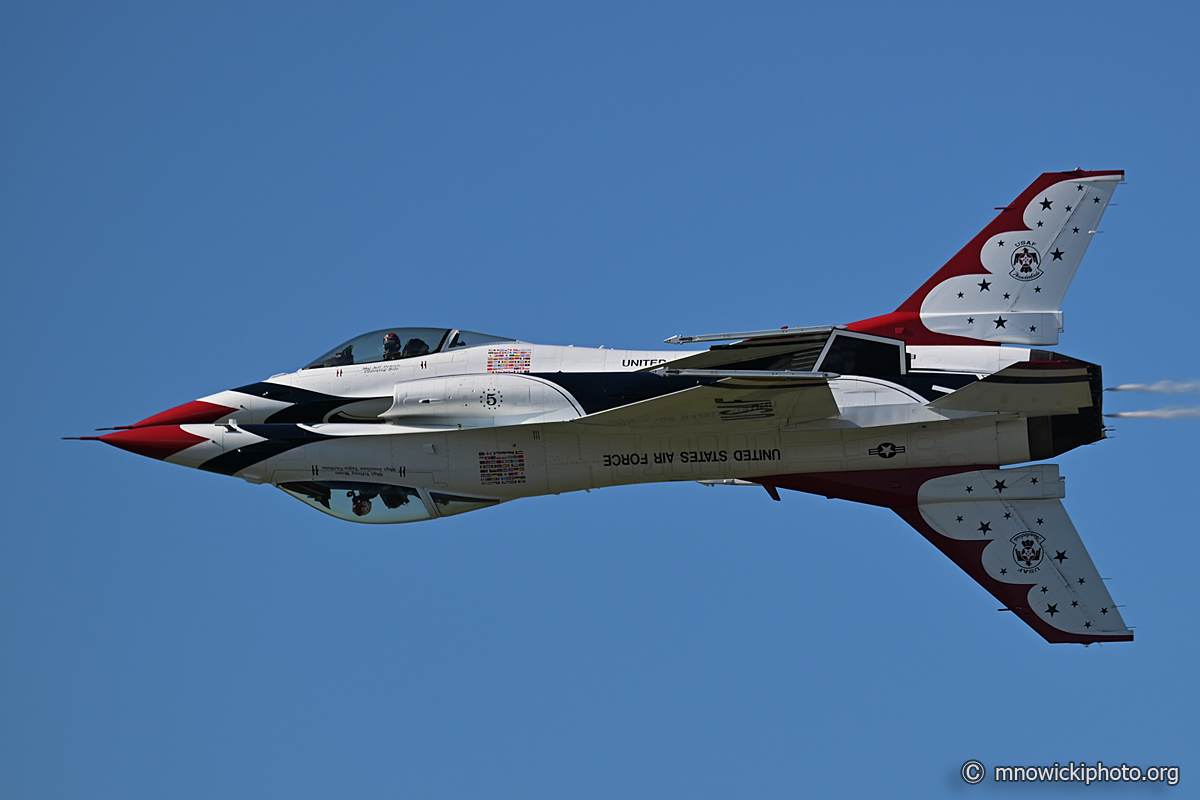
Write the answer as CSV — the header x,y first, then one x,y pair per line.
x,y
410,438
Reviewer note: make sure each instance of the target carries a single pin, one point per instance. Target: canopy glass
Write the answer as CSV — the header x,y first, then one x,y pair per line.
x,y
390,344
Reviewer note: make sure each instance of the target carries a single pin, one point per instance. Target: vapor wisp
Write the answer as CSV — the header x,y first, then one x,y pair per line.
x,y
1159,413
1162,387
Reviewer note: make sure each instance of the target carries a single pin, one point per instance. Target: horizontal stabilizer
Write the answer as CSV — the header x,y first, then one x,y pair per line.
x,y
730,402
1033,387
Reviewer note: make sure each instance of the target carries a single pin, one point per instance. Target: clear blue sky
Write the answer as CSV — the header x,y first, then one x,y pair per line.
x,y
199,196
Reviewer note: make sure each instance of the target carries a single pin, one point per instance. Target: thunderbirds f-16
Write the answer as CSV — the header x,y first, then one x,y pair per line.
x,y
917,411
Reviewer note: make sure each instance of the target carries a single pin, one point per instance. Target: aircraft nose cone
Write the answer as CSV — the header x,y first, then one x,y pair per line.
x,y
197,412
159,441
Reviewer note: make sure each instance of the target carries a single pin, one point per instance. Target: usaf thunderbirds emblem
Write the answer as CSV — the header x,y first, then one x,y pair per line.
x,y
1027,550
1026,263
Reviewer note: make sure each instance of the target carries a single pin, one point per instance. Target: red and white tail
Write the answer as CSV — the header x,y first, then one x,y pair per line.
x,y
1007,285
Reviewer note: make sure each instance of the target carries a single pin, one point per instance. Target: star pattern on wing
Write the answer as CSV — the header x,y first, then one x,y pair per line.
x,y
1052,609
1037,290
1003,571
970,489
960,294
1044,590
985,527
1095,199
1000,243
1034,482
1104,611
1079,187
1039,223
958,519
985,286
1008,515
1000,322
1068,208
1039,520
1082,581
999,487
1075,230
1058,254
1074,604
1087,624
1061,557
1046,203
970,320
1033,328
1007,295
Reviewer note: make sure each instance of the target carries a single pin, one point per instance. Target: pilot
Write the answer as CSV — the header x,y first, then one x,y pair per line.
x,y
415,347
362,505
391,347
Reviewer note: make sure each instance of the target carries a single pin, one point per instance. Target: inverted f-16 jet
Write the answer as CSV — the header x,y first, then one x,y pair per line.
x,y
934,411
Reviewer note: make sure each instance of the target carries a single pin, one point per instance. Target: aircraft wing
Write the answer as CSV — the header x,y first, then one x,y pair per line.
x,y
729,402
1006,528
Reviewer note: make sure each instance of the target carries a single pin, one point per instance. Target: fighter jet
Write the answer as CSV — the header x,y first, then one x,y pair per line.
x,y
934,411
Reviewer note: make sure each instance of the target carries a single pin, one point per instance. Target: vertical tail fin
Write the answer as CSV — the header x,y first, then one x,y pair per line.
x,y
1008,283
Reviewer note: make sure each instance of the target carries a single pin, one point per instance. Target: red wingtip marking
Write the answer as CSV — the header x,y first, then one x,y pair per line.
x,y
158,442
197,412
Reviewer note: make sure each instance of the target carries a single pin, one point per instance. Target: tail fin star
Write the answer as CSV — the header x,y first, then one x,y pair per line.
x,y
1007,285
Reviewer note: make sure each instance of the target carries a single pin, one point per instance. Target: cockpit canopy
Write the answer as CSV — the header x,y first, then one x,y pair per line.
x,y
390,344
